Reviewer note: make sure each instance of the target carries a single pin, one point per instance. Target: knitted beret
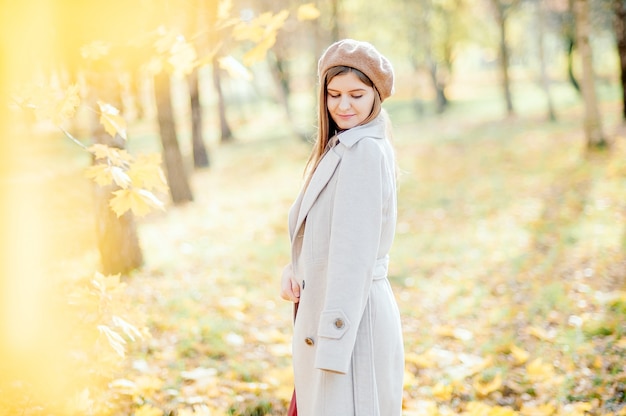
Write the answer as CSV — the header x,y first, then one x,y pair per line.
x,y
362,56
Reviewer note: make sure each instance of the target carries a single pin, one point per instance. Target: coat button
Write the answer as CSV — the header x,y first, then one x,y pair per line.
x,y
309,341
339,323
303,282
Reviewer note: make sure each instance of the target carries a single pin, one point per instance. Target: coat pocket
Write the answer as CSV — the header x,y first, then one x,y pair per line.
x,y
333,324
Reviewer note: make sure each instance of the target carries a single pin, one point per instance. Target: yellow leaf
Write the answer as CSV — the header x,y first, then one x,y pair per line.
x,y
146,172
477,409
520,355
442,391
235,69
104,174
147,385
260,28
420,360
120,177
258,53
538,371
308,11
484,389
540,333
100,173
456,333
112,121
115,156
502,411
410,381
248,31
139,201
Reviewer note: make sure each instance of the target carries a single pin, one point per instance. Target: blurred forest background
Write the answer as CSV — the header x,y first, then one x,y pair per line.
x,y
151,149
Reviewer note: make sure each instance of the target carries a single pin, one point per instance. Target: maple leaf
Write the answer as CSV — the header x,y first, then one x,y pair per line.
x,y
100,173
139,201
112,155
112,121
120,177
258,53
146,172
308,11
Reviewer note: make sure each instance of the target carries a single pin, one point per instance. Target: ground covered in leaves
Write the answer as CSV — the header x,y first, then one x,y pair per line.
x,y
509,268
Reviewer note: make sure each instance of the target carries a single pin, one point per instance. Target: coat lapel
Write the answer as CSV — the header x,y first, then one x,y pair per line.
x,y
320,178
326,168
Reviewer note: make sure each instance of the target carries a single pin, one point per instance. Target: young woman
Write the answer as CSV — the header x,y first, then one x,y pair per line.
x,y
348,355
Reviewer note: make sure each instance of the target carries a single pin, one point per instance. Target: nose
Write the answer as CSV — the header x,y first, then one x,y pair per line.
x,y
344,103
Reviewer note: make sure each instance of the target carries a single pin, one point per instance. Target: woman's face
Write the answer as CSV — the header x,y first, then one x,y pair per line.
x,y
349,100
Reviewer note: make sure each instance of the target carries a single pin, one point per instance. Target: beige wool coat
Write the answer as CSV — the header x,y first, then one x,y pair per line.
x,y
348,355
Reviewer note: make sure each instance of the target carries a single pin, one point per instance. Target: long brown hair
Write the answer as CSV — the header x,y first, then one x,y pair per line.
x,y
326,127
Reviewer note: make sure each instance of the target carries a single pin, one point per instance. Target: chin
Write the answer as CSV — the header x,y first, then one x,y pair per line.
x,y
345,126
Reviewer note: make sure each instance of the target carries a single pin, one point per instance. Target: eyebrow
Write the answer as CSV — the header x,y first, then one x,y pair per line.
x,y
354,90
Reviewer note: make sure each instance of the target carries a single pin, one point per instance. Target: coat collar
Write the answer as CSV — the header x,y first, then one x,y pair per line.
x,y
375,129
328,165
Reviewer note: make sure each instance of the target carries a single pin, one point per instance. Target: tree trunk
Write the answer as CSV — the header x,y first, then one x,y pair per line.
x,y
200,155
545,82
180,190
592,123
442,100
504,56
619,24
280,73
570,37
117,240
226,134
334,31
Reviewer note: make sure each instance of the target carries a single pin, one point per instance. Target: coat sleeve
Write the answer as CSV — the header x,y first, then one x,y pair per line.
x,y
354,241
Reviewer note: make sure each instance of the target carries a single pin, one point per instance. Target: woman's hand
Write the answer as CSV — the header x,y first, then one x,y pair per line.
x,y
290,289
